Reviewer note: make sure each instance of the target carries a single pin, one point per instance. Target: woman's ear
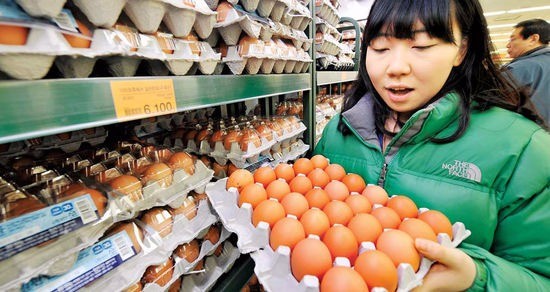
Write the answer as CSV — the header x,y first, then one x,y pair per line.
x,y
462,50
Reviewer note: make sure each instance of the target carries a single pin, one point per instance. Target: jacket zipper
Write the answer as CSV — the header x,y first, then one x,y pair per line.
x,y
382,177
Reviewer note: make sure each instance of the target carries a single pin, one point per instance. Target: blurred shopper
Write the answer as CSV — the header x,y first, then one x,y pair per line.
x,y
528,46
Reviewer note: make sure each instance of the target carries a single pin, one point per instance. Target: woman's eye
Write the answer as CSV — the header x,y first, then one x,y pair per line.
x,y
421,48
379,50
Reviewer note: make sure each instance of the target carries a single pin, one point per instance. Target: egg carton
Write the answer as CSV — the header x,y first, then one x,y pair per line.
x,y
240,158
41,8
74,142
326,28
53,258
298,37
182,267
155,252
296,16
291,153
252,62
212,4
235,219
325,10
214,268
265,7
274,271
248,5
279,9
238,20
327,44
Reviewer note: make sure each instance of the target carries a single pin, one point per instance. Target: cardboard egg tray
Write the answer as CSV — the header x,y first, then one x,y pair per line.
x,y
212,4
42,8
156,250
238,20
274,272
279,9
265,7
325,10
326,28
296,16
250,62
235,219
327,44
214,268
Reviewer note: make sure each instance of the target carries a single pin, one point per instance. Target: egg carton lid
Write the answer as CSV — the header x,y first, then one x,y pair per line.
x,y
299,8
200,6
238,14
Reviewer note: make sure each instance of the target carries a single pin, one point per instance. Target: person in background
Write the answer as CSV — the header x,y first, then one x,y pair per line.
x,y
528,46
431,117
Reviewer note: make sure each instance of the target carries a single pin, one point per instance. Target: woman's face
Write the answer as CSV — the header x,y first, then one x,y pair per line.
x,y
407,73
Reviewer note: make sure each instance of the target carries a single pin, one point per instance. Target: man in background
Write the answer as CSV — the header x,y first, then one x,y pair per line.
x,y
528,46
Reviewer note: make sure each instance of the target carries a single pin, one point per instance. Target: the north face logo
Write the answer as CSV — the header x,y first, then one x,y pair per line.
x,y
463,169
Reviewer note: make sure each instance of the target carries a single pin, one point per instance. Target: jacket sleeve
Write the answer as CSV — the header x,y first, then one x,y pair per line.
x,y
519,259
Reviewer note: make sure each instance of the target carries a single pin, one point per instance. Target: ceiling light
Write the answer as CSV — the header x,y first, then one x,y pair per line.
x,y
528,9
501,25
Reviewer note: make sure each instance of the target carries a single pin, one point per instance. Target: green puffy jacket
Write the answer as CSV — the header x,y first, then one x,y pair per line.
x,y
495,179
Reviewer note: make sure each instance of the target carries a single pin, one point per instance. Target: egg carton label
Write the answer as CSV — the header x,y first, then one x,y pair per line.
x,y
26,231
92,263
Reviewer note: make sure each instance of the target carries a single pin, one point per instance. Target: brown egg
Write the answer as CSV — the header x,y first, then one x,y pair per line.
x,y
399,246
365,227
310,257
341,242
176,286
99,199
300,184
387,217
264,131
233,136
231,168
159,219
199,197
403,206
317,198
13,35
268,211
338,212
295,204
206,160
358,203
22,206
315,222
318,177
438,222
375,194
302,165
213,234
354,182
203,135
284,171
253,194
128,185
189,251
277,189
217,136
377,270
337,190
160,173
239,179
78,41
288,232
199,266
249,136
132,230
182,160
343,279
219,250
417,228
335,171
160,274
188,208
264,175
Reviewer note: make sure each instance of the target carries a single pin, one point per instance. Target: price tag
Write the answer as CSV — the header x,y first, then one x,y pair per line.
x,y
143,98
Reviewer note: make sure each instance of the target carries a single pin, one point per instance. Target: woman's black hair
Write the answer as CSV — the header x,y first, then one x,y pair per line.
x,y
476,79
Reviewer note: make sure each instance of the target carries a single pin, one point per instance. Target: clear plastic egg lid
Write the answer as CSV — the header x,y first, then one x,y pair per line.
x,y
199,6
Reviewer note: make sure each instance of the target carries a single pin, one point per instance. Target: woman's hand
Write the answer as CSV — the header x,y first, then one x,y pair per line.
x,y
453,271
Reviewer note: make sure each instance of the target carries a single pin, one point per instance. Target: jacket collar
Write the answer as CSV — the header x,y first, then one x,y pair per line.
x,y
426,123
544,49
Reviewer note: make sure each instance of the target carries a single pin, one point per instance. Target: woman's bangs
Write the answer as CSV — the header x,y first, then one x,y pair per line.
x,y
397,19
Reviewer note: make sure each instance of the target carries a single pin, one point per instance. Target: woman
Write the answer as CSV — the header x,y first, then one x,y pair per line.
x,y
431,118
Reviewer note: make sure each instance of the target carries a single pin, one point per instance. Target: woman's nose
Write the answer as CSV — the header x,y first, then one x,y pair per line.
x,y
399,63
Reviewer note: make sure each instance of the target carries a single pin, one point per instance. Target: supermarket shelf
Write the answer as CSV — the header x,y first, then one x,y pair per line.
x,y
238,276
30,109
330,77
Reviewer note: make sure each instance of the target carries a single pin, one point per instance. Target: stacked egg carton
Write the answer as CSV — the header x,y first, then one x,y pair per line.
x,y
262,23
329,51
122,47
52,176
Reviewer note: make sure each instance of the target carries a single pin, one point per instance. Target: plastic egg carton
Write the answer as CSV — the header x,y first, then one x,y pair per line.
x,y
236,21
274,271
214,267
240,158
295,151
74,141
42,8
155,250
235,219
183,267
